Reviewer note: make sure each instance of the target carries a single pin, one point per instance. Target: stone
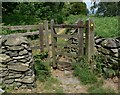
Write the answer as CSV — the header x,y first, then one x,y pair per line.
x,y
114,50
4,58
2,51
104,51
24,52
18,67
9,81
29,73
27,79
17,48
98,41
12,53
3,74
18,84
3,69
13,76
117,42
16,40
18,57
1,80
2,65
109,43
23,86
23,60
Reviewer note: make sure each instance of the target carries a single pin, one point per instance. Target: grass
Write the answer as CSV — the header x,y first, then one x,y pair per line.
x,y
85,76
104,26
83,73
52,85
95,89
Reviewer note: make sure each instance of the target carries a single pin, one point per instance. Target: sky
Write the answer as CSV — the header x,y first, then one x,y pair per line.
x,y
88,3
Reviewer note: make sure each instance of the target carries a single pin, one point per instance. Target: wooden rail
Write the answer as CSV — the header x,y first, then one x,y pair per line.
x,y
42,29
21,27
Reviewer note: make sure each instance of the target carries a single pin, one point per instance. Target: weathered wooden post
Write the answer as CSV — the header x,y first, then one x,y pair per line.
x,y
41,35
89,42
53,40
80,39
46,35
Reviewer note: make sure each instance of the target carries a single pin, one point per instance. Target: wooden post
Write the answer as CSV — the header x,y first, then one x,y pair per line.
x,y
89,44
80,40
47,35
53,40
41,35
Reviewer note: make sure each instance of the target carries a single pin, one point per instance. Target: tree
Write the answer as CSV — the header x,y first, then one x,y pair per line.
x,y
75,8
107,8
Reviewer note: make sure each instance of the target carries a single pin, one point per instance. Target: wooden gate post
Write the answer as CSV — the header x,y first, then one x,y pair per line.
x,y
47,35
89,43
41,34
53,40
80,39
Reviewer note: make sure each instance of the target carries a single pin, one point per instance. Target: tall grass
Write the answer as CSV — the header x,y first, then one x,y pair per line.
x,y
104,26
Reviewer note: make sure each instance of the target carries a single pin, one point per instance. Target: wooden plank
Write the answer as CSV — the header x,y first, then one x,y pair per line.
x,y
53,40
89,44
67,26
65,36
21,27
80,40
41,34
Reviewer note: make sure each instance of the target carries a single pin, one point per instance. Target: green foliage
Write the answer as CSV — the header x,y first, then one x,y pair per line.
x,y
42,69
19,19
108,8
102,68
75,8
41,56
82,71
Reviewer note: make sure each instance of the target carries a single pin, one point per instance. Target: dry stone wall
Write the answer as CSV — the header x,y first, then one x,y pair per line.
x,y
16,63
109,48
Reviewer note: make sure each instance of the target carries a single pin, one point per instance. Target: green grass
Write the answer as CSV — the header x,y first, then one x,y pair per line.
x,y
104,26
84,74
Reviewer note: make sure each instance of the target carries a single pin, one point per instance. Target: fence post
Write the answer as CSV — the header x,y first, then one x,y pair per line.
x,y
89,43
47,35
53,40
41,34
80,40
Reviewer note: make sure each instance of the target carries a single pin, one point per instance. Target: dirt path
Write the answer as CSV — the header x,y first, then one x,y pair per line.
x,y
69,83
